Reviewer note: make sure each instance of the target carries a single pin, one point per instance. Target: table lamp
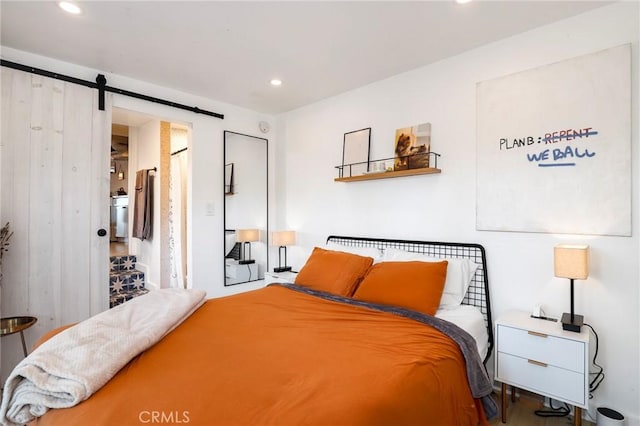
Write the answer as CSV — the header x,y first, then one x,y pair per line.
x,y
282,239
571,261
246,237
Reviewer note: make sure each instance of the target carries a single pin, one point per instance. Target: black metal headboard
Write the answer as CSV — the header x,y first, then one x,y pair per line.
x,y
478,292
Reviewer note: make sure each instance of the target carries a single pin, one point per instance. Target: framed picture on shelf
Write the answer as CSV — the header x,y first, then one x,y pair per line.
x,y
412,147
228,179
355,152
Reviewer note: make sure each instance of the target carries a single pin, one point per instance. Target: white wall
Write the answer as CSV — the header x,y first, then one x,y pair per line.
x,y
205,232
442,207
144,145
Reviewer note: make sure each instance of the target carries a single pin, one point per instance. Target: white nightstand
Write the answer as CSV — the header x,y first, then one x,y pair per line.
x,y
279,277
236,273
539,356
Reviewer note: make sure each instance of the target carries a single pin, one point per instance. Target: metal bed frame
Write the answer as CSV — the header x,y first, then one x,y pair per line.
x,y
478,292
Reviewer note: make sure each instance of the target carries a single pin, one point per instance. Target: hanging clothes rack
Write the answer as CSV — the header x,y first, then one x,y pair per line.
x,y
179,151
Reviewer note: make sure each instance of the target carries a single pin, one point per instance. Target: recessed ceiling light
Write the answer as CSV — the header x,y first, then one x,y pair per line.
x,y
463,1
276,82
69,7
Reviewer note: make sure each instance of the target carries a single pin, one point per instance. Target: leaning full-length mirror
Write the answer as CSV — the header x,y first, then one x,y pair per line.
x,y
245,208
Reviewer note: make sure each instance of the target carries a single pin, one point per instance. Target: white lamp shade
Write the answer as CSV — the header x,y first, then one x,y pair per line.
x,y
571,261
284,238
247,235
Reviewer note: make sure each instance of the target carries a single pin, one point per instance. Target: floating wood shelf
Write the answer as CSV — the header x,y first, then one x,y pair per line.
x,y
388,175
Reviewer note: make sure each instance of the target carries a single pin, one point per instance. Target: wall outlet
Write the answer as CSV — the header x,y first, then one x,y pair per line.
x,y
210,209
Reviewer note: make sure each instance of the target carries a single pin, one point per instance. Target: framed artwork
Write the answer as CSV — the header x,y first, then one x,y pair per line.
x,y
412,146
355,152
228,179
554,151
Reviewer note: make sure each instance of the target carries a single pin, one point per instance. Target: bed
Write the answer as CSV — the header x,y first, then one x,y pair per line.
x,y
477,294
294,354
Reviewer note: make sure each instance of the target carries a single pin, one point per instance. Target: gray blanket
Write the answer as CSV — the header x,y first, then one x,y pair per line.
x,y
479,381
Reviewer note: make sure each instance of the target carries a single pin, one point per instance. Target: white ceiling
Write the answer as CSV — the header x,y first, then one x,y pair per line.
x,y
228,51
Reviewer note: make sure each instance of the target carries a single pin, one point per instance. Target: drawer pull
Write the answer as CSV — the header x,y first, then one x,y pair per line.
x,y
535,333
538,363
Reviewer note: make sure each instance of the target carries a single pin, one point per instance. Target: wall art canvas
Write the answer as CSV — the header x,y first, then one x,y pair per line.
x,y
554,147
412,146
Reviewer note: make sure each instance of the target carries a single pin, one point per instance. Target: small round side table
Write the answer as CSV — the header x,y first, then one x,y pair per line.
x,y
14,325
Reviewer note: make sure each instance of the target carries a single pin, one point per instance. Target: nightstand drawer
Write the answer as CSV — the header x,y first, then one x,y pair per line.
x,y
236,273
540,378
231,271
554,351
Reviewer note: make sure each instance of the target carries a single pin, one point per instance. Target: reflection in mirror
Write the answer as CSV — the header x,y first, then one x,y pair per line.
x,y
245,208
228,179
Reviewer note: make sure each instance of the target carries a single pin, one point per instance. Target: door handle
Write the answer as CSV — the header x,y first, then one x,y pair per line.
x,y
102,232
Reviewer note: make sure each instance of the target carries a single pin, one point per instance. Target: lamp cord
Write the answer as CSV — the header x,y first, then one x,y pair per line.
x,y
598,375
564,409
561,411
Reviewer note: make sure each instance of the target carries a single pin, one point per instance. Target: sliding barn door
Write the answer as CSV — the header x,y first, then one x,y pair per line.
x,y
54,192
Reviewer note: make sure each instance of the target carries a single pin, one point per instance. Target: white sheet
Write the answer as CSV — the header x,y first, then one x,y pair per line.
x,y
470,319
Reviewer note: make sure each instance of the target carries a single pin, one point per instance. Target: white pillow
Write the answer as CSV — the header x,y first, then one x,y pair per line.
x,y
374,252
459,274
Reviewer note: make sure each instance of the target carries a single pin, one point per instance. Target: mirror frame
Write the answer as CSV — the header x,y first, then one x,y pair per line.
x,y
224,204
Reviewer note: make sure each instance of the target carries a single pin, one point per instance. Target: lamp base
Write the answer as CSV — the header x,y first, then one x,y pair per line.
x,y
574,325
282,269
246,262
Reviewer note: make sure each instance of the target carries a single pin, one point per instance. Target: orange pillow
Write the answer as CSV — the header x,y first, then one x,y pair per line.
x,y
335,272
413,285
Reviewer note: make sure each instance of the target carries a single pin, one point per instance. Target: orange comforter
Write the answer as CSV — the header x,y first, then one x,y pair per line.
x,y
280,357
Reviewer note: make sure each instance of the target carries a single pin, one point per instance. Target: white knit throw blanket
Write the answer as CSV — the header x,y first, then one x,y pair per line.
x,y
72,365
